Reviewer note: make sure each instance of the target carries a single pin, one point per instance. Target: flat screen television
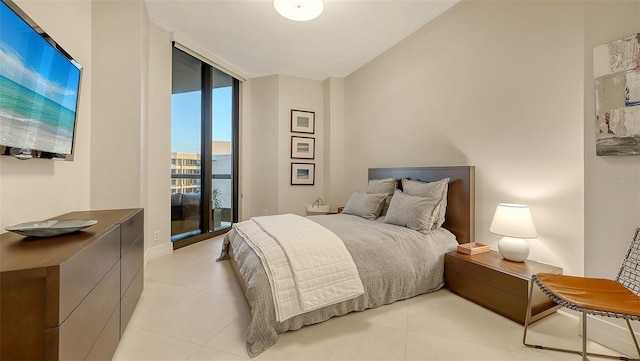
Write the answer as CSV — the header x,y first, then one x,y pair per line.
x,y
39,88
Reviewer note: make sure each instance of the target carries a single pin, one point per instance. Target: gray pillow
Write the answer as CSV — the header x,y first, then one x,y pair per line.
x,y
413,212
387,185
436,190
365,205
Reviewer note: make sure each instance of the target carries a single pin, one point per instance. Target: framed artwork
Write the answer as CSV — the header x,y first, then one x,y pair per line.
x,y
303,174
302,121
616,70
303,147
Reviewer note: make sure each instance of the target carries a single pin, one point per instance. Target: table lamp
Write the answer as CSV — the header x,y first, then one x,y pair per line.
x,y
514,222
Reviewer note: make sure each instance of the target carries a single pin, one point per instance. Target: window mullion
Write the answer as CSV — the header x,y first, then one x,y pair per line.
x,y
207,141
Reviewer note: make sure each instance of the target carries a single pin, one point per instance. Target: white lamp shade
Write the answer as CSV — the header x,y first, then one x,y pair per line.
x,y
513,220
299,10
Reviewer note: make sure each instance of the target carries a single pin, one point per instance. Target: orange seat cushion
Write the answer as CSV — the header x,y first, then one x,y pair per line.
x,y
592,293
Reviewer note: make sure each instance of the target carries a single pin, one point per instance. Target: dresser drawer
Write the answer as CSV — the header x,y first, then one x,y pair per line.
x,y
131,262
81,329
495,299
496,278
497,284
130,299
81,273
107,343
131,230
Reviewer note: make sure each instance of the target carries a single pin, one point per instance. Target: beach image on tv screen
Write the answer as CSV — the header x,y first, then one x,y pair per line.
x,y
38,89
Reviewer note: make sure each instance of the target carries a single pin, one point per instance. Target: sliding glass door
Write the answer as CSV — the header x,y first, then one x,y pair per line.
x,y
204,142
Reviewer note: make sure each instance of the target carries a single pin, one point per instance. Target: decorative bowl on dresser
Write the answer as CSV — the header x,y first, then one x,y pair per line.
x,y
70,297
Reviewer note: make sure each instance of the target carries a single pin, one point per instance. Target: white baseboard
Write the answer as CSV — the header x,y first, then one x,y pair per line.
x,y
614,335
157,251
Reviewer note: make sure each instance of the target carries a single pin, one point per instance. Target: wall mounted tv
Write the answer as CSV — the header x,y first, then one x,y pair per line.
x,y
39,86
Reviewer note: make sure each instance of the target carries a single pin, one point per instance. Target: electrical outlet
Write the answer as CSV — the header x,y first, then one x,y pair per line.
x,y
156,235
264,212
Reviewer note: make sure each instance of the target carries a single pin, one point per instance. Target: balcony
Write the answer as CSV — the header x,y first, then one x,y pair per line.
x,y
186,202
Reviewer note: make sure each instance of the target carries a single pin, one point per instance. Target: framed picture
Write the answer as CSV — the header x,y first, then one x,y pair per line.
x,y
302,121
303,174
617,94
303,148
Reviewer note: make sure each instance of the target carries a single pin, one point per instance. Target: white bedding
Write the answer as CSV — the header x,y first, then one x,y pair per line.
x,y
308,267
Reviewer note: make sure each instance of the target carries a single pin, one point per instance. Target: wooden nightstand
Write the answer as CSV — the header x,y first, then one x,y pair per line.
x,y
497,284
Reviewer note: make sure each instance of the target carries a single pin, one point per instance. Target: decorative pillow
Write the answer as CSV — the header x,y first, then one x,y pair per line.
x,y
413,212
430,190
365,205
387,185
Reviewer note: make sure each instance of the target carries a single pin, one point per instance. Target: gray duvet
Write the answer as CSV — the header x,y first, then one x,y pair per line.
x,y
394,263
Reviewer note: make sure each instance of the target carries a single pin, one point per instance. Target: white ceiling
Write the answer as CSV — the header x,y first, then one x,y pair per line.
x,y
251,36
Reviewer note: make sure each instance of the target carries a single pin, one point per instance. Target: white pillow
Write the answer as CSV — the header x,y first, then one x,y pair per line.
x,y
387,185
365,205
413,212
437,190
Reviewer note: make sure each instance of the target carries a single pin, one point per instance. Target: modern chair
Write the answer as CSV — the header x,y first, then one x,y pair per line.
x,y
595,296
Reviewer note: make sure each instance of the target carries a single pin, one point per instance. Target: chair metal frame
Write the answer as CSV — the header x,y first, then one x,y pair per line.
x,y
628,276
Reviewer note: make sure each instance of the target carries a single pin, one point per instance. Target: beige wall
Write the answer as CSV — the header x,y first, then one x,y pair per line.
x,y
157,184
497,85
118,43
334,190
260,141
38,189
301,94
612,184
131,137
267,145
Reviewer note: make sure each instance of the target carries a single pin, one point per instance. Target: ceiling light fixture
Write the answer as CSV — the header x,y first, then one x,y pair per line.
x,y
299,10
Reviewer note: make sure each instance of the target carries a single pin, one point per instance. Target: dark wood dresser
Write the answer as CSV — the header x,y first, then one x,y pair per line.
x,y
497,284
70,297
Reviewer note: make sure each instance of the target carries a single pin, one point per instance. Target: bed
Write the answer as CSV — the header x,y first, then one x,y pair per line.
x,y
393,262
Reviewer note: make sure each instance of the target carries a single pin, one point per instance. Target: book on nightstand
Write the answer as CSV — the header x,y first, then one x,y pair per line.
x,y
472,248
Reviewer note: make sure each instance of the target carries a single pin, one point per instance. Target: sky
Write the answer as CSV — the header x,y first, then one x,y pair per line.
x,y
27,59
185,119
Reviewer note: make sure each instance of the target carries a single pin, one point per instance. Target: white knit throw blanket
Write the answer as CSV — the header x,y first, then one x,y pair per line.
x,y
308,266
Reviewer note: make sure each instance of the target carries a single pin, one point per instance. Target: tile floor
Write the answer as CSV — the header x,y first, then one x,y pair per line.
x,y
193,309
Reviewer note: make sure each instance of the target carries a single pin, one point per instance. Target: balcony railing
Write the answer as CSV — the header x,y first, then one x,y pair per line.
x,y
186,204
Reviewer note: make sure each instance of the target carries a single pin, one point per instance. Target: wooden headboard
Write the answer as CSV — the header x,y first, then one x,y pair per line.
x,y
460,218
